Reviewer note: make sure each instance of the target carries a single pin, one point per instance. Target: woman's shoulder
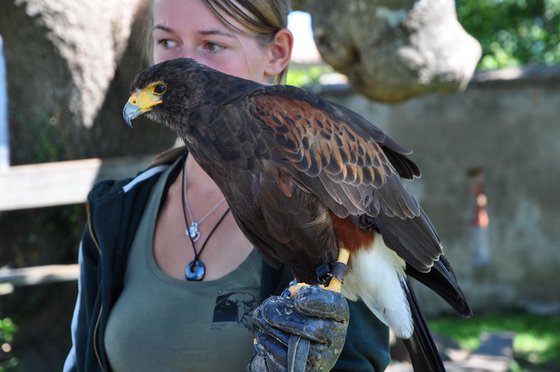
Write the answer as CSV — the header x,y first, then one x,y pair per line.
x,y
110,187
168,156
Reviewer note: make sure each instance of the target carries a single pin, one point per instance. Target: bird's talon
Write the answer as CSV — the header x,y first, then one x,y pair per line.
x,y
335,285
294,289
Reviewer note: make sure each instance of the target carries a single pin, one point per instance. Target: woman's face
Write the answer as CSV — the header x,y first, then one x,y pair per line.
x,y
187,28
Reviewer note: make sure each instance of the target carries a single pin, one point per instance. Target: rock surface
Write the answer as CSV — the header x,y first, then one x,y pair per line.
x,y
392,50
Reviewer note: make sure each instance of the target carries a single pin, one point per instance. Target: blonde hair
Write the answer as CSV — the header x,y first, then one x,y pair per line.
x,y
262,18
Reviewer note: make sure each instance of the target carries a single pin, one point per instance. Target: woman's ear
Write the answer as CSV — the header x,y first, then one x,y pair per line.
x,y
280,52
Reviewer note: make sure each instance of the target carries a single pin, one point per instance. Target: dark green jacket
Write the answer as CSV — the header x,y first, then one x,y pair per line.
x,y
114,212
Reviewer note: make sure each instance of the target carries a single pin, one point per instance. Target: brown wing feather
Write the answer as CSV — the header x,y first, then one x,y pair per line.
x,y
350,172
317,142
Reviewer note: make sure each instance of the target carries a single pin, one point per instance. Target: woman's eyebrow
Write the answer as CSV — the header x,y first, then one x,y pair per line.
x,y
217,32
203,32
163,28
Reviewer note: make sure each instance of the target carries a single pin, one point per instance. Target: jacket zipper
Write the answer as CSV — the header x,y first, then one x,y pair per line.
x,y
90,228
96,329
95,349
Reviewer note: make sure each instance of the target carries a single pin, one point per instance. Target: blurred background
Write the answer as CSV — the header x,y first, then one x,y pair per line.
x,y
473,87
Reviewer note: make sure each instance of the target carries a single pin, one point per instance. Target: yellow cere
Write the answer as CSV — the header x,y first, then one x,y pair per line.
x,y
149,96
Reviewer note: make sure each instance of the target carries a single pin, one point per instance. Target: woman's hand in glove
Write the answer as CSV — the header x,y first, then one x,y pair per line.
x,y
303,332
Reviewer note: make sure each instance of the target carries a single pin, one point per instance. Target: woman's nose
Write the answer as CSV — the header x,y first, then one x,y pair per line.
x,y
189,52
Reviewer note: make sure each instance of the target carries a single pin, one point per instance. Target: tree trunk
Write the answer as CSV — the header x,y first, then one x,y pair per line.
x,y
392,50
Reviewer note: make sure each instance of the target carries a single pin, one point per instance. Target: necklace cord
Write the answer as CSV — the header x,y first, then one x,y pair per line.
x,y
187,205
210,234
183,198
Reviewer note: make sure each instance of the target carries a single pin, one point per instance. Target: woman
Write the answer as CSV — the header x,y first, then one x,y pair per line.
x,y
168,281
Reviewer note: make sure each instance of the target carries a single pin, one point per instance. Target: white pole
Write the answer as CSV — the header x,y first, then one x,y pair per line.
x,y
4,133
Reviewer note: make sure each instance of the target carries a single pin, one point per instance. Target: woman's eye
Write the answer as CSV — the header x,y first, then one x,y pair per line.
x,y
167,43
213,47
160,89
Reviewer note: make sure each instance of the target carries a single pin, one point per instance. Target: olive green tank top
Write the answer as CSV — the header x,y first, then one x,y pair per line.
x,y
160,323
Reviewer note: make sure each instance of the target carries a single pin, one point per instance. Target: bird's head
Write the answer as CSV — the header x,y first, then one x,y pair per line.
x,y
165,92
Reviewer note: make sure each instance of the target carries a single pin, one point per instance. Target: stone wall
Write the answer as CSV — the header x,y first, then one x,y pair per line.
x,y
507,123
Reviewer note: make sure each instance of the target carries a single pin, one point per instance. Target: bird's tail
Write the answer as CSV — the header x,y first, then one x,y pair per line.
x,y
421,346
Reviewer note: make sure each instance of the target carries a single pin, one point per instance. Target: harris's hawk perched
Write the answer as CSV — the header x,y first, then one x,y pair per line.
x,y
304,177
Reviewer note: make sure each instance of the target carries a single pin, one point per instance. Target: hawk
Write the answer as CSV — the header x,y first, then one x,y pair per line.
x,y
305,177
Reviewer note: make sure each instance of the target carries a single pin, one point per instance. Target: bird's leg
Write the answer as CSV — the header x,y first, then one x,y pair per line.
x,y
337,273
335,284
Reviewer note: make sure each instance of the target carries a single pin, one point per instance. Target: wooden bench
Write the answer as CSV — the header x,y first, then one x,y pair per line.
x,y
55,184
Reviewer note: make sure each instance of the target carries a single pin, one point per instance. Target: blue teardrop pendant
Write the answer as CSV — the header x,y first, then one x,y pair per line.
x,y
195,270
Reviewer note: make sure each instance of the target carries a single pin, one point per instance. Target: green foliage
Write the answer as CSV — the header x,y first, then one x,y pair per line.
x,y
536,342
48,146
304,76
513,32
7,331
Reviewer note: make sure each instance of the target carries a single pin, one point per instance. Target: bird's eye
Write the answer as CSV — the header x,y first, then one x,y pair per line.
x,y
160,89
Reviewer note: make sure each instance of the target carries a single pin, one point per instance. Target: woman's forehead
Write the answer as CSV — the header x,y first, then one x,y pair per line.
x,y
191,15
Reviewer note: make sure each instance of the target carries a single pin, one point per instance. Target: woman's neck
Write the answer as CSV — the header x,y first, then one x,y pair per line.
x,y
198,180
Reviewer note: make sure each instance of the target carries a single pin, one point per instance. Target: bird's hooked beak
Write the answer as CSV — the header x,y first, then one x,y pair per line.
x,y
143,101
